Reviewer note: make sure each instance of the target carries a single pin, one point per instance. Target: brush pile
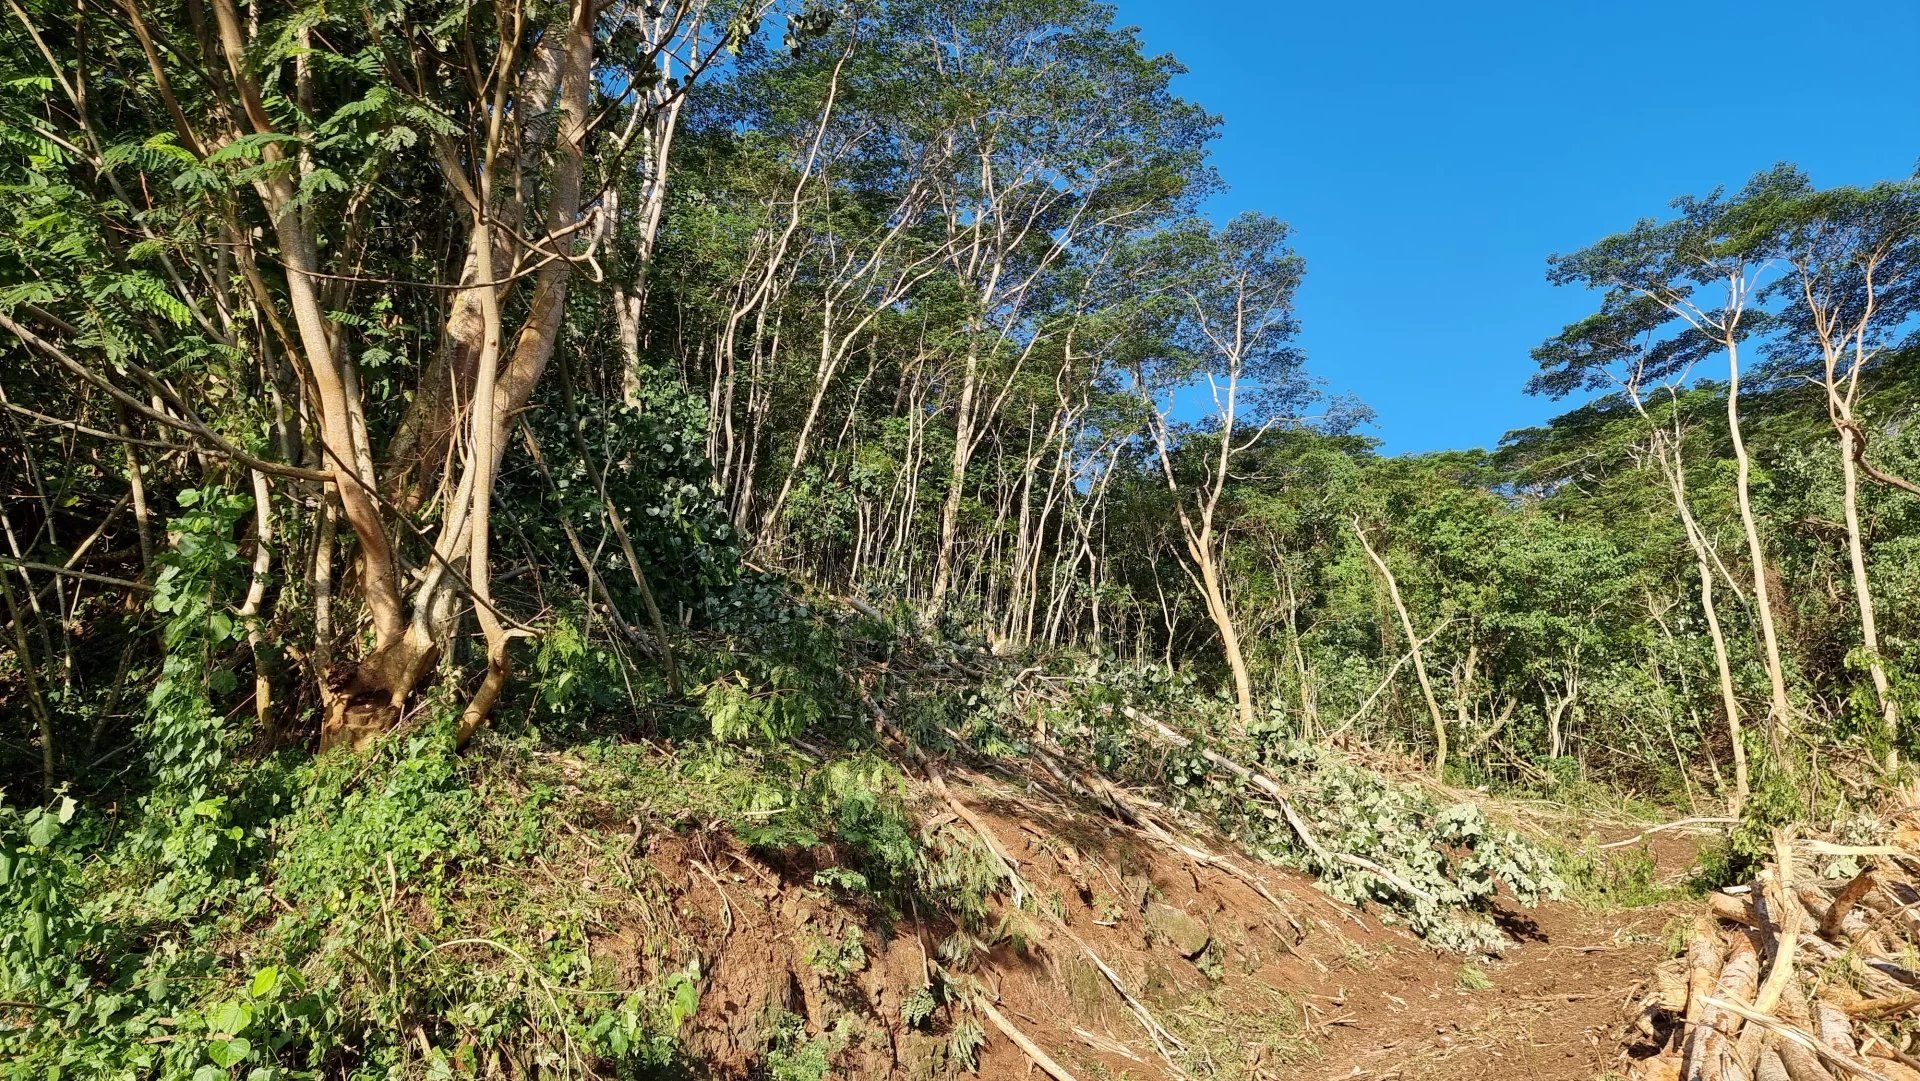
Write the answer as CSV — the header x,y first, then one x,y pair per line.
x,y
1811,972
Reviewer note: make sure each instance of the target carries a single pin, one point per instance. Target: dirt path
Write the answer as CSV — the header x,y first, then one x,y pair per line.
x,y
1552,1009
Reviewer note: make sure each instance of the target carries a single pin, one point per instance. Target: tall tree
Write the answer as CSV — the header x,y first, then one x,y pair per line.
x,y
1854,286
1230,298
1701,269
258,164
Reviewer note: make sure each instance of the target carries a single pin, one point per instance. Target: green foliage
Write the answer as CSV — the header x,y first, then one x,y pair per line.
x,y
188,819
641,1034
1625,879
1453,857
918,1006
837,958
792,1055
902,349
1443,865
47,932
778,710
186,740
409,860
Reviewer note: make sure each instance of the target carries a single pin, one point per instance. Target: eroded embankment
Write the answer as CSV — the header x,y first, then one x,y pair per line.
x,y
1141,960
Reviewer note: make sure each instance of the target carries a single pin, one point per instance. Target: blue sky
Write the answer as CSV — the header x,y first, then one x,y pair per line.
x,y
1431,155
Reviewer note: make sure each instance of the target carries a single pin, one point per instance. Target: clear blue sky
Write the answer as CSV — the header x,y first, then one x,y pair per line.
x,y
1431,155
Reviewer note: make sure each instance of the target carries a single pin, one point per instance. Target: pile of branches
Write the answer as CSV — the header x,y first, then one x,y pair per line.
x,y
1810,972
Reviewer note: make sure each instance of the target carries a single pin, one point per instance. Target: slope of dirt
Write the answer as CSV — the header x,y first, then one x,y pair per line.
x,y
1551,1009
1192,940
1141,960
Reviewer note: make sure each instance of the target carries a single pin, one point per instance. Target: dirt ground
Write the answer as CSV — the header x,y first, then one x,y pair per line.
x,y
1253,972
1554,1008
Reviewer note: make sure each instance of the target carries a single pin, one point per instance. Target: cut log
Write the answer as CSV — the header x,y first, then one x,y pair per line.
x,y
1778,892
1703,971
1835,1030
1711,1053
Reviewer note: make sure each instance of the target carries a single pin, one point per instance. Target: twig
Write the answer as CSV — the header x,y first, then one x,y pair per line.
x,y
1684,823
1041,1058
69,572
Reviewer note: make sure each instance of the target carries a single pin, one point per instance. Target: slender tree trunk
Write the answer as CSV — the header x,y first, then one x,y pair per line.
x,y
1862,586
1309,712
956,486
249,611
1413,645
1668,454
1780,711
1213,589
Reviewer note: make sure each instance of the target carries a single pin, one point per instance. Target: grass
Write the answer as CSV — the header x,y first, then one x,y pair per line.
x,y
1240,1036
1472,977
1622,880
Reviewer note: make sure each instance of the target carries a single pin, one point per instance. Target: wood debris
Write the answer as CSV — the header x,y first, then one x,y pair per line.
x,y
1811,972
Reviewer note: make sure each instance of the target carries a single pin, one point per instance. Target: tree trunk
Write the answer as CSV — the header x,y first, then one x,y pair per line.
x,y
1669,455
1780,711
1413,645
1862,587
1213,590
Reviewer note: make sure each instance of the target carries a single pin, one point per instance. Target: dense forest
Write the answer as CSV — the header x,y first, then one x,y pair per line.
x,y
460,454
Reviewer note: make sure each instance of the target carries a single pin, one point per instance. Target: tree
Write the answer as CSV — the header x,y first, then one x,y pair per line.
x,y
1699,270
1852,289
1618,349
1230,301
250,177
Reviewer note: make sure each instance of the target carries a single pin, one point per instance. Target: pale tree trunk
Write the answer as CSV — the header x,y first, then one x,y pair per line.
x,y
1723,668
503,391
249,611
999,230
1780,712
1413,646
1843,391
1214,590
1309,712
373,681
1557,711
1863,589
1724,329
956,482
1203,555
1668,453
371,697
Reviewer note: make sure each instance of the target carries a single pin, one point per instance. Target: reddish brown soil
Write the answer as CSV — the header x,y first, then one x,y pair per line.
x,y
1556,1009
1300,989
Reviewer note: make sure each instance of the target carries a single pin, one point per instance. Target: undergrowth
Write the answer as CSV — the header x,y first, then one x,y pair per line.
x,y
416,910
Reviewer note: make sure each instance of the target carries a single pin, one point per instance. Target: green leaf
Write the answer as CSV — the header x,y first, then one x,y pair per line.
x,y
229,1053
36,932
231,1017
43,829
264,981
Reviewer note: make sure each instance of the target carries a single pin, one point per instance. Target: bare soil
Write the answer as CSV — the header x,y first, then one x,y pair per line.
x,y
1554,1008
1287,985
